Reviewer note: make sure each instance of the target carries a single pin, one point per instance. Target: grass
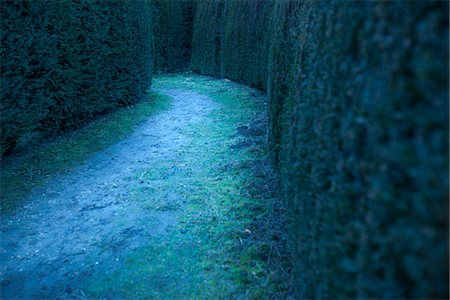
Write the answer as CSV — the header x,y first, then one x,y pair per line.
x,y
229,239
229,242
34,166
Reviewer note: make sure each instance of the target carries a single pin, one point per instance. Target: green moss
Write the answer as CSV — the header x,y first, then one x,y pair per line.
x,y
214,252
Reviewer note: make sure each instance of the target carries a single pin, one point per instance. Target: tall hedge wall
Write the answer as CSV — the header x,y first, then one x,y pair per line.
x,y
206,38
358,96
65,61
230,40
172,29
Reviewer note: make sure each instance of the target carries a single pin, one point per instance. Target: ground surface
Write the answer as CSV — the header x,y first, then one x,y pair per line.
x,y
183,207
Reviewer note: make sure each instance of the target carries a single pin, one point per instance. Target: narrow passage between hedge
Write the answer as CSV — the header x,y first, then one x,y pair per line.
x,y
184,206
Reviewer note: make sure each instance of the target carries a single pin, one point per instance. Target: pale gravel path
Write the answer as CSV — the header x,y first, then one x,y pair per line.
x,y
44,246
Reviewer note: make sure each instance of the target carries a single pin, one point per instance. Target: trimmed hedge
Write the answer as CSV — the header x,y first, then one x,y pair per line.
x,y
358,101
172,30
65,61
230,40
358,96
363,129
206,38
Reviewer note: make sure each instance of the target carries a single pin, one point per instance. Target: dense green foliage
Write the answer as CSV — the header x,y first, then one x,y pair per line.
x,y
65,61
230,40
363,129
358,100
206,38
359,118
172,30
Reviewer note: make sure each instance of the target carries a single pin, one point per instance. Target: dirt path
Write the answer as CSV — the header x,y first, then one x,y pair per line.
x,y
122,225
45,245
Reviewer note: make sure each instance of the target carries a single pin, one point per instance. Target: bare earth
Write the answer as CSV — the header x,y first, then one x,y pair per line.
x,y
59,237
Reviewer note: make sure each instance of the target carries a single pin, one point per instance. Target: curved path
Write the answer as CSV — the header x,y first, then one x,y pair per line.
x,y
124,223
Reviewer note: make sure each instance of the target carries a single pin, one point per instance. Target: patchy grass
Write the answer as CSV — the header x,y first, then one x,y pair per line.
x,y
34,166
230,239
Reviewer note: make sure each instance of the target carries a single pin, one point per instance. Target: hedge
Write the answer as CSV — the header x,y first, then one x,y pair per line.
x,y
358,101
65,61
230,40
172,30
363,129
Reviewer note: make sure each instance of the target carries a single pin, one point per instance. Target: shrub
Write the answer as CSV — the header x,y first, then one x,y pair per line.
x,y
172,29
65,61
358,101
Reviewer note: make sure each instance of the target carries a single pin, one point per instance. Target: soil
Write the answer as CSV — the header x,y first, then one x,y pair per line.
x,y
59,237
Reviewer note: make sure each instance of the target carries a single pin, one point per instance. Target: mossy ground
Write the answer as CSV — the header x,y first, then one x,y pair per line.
x,y
229,242
217,191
